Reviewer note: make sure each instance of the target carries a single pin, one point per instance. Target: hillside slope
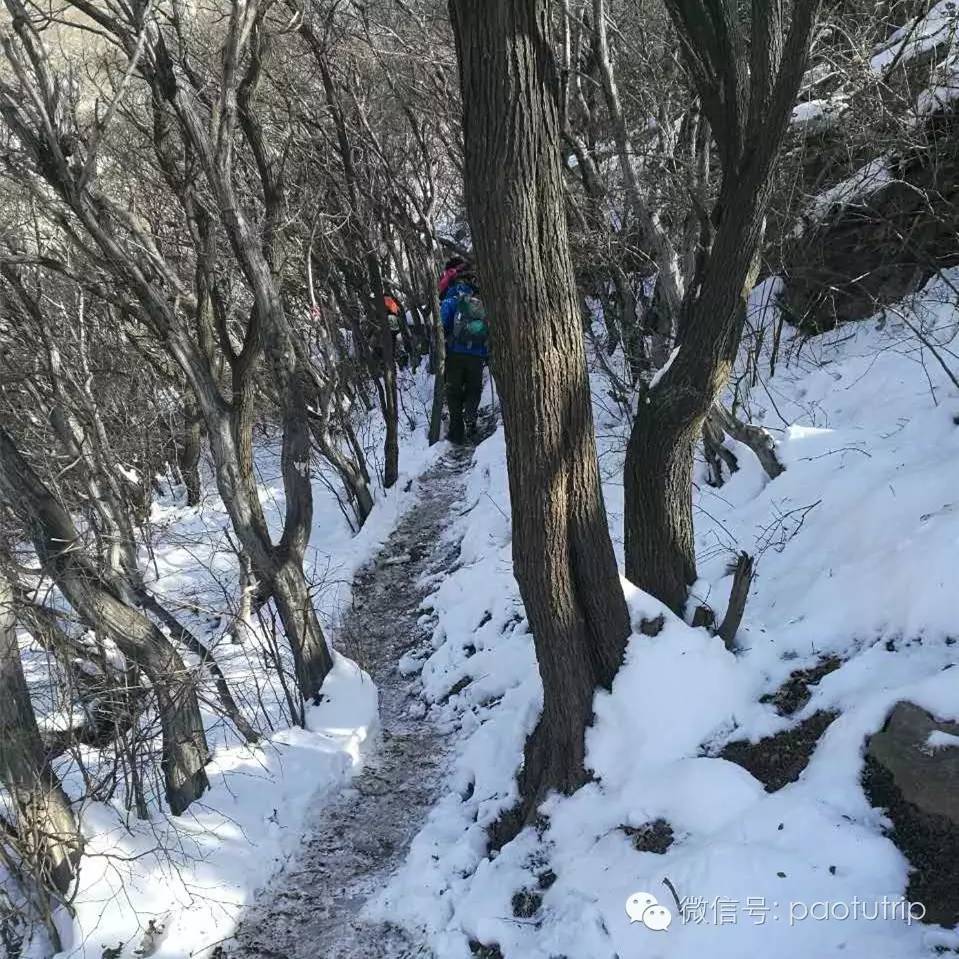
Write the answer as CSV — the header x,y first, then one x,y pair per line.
x,y
855,545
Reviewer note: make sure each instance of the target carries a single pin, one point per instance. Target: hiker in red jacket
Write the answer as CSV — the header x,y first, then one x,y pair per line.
x,y
451,270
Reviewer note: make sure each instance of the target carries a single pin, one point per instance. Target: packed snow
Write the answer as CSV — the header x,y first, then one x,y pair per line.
x,y
942,740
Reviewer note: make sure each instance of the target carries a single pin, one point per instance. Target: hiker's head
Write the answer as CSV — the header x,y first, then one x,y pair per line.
x,y
454,263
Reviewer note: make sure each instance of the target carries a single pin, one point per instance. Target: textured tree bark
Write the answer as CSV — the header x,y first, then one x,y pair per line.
x,y
747,99
660,552
658,473
57,543
563,557
46,827
742,579
188,450
279,569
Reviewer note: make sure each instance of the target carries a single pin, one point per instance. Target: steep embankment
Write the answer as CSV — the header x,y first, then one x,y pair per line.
x,y
852,610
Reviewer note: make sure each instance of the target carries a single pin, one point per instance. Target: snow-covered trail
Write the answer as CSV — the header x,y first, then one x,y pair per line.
x,y
314,907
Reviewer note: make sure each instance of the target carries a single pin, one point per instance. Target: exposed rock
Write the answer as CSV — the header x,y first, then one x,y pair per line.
x,y
918,785
484,951
883,244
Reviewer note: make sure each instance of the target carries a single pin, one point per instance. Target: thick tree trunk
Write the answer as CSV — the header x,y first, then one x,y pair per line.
x,y
291,592
47,829
57,543
311,656
279,569
563,557
658,481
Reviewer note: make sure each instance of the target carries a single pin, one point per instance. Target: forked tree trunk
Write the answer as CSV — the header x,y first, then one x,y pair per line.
x,y
57,543
279,569
291,592
46,827
563,557
660,552
658,473
746,63
348,468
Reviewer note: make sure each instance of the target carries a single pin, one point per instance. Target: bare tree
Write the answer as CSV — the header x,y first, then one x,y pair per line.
x,y
98,599
46,834
197,159
745,71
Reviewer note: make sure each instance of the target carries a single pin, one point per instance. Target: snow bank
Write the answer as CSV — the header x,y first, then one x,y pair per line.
x,y
192,876
934,34
176,886
937,28
855,547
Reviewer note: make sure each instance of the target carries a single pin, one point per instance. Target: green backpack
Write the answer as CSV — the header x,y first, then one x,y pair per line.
x,y
470,323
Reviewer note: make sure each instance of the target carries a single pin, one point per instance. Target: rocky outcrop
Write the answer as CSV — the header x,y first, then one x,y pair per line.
x,y
912,771
873,248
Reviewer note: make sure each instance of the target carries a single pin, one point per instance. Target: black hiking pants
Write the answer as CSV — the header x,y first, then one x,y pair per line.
x,y
464,387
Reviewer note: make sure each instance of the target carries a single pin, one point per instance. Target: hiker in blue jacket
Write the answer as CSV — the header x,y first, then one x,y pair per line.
x,y
467,349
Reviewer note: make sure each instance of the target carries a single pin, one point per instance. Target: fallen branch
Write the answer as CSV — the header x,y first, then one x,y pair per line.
x,y
755,437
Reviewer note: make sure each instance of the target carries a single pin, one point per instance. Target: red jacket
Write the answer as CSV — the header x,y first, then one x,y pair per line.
x,y
448,276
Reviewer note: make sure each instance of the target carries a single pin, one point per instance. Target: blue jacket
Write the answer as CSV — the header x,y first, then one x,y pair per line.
x,y
448,311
